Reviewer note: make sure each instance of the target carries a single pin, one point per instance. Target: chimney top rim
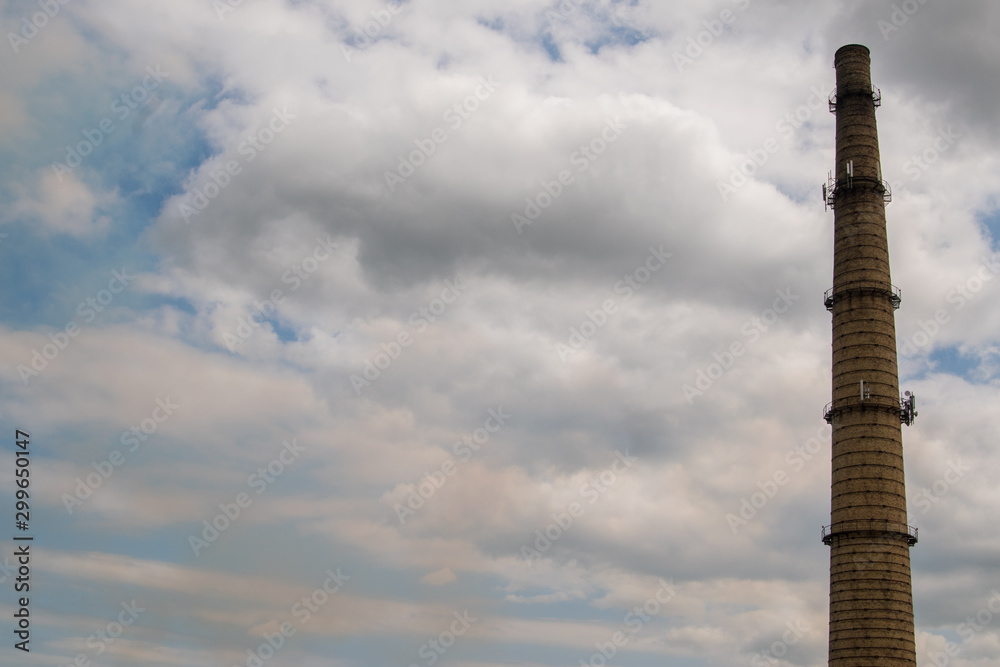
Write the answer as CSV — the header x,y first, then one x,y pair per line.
x,y
853,47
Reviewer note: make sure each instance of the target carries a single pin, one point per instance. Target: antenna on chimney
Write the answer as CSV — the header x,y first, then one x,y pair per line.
x,y
829,191
908,408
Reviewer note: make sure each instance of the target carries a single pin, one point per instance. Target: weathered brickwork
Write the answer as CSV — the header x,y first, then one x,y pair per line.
x,y
871,606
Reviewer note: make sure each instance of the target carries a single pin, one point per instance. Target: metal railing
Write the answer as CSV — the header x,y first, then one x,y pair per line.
x,y
869,526
856,402
834,186
905,406
875,93
894,293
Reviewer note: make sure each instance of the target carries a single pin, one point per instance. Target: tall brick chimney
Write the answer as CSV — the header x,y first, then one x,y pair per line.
x,y
871,604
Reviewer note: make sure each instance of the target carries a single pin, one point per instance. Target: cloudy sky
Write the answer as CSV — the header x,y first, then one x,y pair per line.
x,y
477,334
